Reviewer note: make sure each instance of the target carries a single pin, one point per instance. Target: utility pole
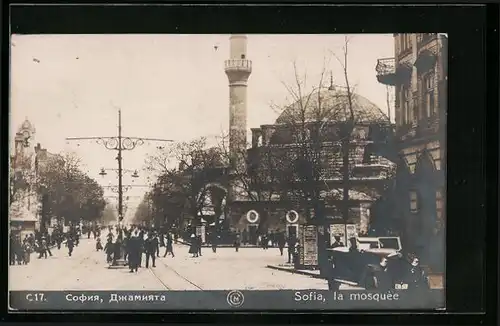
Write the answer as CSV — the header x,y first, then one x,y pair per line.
x,y
119,143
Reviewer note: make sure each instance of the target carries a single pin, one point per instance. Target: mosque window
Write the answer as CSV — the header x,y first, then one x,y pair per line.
x,y
413,201
242,56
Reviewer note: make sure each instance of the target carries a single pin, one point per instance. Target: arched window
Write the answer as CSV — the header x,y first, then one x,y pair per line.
x,y
428,83
405,105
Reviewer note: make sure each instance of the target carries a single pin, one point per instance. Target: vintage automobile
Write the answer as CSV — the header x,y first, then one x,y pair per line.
x,y
357,267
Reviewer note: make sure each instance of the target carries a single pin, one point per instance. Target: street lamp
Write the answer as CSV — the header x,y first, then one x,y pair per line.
x,y
119,143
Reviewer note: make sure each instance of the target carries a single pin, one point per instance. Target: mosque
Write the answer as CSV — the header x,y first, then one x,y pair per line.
x,y
270,205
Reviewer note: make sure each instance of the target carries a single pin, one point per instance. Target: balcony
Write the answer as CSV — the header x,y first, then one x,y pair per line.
x,y
388,73
426,58
238,65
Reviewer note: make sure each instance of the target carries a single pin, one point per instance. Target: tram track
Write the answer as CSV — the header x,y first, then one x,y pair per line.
x,y
167,267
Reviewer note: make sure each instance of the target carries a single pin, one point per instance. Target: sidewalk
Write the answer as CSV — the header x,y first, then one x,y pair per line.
x,y
436,281
207,245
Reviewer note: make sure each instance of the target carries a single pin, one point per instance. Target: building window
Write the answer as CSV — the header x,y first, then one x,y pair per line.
x,y
428,82
405,42
413,201
439,207
405,105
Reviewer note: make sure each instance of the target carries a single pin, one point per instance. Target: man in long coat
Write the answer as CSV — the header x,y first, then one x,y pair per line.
x,y
134,252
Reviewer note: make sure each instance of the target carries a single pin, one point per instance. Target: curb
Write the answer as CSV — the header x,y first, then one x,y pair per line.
x,y
226,245
293,271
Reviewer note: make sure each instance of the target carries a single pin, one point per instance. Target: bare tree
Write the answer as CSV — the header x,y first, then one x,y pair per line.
x,y
315,121
261,179
347,129
182,170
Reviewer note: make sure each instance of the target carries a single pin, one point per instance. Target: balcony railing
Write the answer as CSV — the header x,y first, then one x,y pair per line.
x,y
386,66
386,71
238,64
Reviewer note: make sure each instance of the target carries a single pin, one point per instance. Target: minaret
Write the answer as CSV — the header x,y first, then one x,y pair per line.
x,y
238,68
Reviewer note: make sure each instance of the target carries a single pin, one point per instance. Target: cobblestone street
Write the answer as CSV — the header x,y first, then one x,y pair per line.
x,y
224,270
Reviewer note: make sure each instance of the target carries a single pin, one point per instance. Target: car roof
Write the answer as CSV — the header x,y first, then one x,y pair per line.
x,y
368,239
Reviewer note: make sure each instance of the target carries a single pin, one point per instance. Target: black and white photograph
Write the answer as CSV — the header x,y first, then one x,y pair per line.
x,y
307,163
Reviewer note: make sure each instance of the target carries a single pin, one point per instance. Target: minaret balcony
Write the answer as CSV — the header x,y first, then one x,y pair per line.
x,y
238,65
388,73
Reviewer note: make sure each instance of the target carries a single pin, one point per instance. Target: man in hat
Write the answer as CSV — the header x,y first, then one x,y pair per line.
x,y
150,246
381,277
418,278
70,243
292,241
169,248
134,252
338,242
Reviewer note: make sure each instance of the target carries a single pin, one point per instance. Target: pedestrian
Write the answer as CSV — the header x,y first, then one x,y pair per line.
x,y
333,285
141,245
12,250
126,241
109,250
117,250
134,252
215,242
59,240
48,244
150,246
192,246
70,243
20,252
43,249
28,249
237,243
281,243
381,277
292,241
198,244
169,248
98,244
157,251
417,278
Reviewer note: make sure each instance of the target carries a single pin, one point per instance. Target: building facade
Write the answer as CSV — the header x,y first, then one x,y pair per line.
x,y
418,72
23,202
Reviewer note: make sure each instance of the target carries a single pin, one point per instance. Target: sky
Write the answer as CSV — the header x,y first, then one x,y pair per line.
x,y
167,86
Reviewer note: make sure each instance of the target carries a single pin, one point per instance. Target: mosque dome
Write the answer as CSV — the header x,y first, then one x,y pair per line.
x,y
328,105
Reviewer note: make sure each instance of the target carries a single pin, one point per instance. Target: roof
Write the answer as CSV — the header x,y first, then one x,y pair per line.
x,y
327,105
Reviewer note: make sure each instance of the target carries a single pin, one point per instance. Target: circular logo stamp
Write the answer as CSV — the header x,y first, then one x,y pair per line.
x,y
235,298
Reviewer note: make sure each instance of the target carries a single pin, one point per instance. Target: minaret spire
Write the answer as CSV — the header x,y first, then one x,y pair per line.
x,y
238,69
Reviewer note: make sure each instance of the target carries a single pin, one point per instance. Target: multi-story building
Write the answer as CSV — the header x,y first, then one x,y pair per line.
x,y
418,72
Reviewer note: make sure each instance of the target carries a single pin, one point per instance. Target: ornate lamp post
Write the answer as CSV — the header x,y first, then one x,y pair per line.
x,y
119,143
